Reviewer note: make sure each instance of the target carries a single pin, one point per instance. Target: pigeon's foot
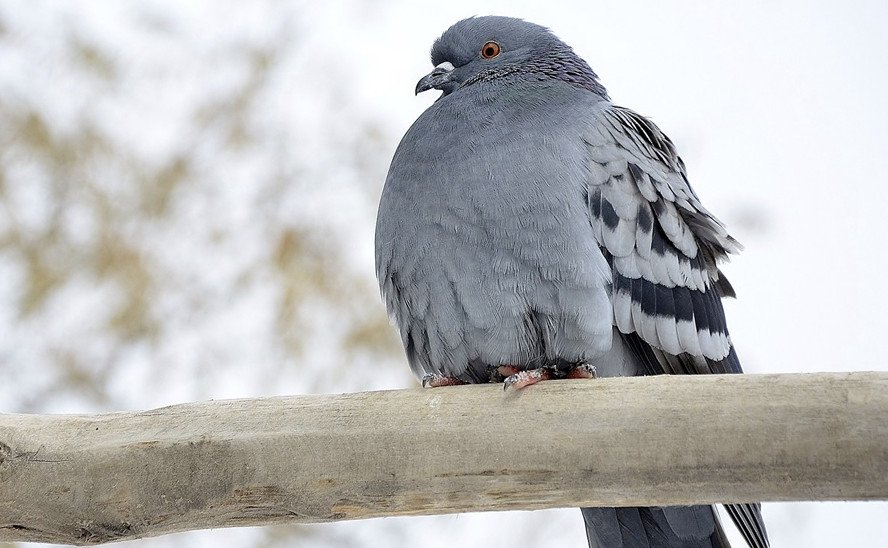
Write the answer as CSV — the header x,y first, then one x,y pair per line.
x,y
582,371
503,372
435,380
516,379
527,377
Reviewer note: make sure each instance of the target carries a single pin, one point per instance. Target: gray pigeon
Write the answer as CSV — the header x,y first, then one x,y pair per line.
x,y
531,229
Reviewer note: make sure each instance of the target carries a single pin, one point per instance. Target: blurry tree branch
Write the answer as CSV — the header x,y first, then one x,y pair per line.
x,y
664,440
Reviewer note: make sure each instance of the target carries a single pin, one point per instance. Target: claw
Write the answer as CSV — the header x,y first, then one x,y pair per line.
x,y
435,380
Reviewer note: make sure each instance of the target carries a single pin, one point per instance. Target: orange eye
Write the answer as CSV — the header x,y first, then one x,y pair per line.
x,y
490,50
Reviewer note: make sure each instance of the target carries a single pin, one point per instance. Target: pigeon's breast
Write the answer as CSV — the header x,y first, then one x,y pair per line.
x,y
484,248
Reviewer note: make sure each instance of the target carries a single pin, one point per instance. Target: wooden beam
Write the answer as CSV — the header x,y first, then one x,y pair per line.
x,y
665,440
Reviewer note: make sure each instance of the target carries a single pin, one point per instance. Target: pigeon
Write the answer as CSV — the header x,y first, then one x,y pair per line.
x,y
531,229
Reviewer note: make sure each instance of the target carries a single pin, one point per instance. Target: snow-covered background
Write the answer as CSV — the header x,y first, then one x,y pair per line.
x,y
188,190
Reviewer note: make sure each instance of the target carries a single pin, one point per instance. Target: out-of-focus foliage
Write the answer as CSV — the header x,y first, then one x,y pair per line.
x,y
176,210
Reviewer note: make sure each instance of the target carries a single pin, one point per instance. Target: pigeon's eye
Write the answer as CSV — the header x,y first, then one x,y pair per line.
x,y
490,50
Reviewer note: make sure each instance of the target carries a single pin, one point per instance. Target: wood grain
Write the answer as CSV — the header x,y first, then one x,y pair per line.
x,y
664,440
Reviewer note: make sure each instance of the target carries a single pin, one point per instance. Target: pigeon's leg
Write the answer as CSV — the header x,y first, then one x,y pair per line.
x,y
436,380
519,379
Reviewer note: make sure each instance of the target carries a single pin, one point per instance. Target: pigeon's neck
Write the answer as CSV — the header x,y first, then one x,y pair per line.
x,y
555,64
565,65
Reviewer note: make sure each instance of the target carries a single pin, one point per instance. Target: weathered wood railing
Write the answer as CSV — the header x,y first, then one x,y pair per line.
x,y
88,479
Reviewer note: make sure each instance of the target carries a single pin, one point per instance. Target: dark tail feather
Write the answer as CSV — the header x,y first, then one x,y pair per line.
x,y
748,518
668,527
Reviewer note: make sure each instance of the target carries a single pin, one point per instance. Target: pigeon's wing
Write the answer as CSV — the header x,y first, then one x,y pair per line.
x,y
663,247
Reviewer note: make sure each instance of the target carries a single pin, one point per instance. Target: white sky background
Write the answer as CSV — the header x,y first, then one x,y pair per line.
x,y
778,109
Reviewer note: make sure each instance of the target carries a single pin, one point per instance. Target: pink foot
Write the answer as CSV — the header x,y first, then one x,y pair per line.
x,y
526,378
434,380
505,371
518,379
583,371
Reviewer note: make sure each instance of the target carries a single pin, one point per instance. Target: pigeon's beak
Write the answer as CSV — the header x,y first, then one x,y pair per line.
x,y
436,79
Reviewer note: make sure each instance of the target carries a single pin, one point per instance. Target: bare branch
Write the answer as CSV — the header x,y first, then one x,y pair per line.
x,y
630,441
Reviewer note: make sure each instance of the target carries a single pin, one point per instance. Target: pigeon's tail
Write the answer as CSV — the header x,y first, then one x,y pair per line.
x,y
666,527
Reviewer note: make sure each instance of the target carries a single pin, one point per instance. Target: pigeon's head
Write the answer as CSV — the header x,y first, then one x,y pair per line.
x,y
491,48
